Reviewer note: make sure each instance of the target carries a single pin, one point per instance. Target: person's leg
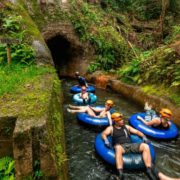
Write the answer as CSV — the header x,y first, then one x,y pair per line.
x,y
75,107
144,148
81,109
164,177
119,160
90,112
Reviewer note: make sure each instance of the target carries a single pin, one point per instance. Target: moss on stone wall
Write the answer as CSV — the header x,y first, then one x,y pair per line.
x,y
56,129
46,12
37,105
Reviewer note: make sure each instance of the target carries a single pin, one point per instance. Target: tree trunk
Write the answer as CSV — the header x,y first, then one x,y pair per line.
x,y
8,54
165,5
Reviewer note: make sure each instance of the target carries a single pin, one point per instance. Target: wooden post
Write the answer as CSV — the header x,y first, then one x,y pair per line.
x,y
8,43
8,54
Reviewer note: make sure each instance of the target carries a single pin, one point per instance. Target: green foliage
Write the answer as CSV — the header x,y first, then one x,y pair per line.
x,y
84,19
161,67
23,53
15,75
130,73
7,168
142,9
145,9
174,7
174,34
94,67
20,53
110,46
3,54
117,5
12,24
147,40
38,174
162,91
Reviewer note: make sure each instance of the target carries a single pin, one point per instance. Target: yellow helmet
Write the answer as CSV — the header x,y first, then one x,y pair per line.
x,y
110,103
166,113
117,116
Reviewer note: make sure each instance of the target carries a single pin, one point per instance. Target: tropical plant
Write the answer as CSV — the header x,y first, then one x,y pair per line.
x,y
21,53
7,168
130,73
12,24
111,48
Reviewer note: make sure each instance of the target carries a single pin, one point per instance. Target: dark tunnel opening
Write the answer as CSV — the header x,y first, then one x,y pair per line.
x,y
61,51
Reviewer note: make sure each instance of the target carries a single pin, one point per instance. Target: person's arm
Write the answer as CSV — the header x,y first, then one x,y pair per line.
x,y
106,132
139,133
134,131
150,123
109,118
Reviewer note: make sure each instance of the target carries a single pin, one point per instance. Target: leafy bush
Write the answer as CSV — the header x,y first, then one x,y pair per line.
x,y
162,66
142,9
21,53
7,168
175,32
94,67
3,53
110,46
130,73
145,9
12,24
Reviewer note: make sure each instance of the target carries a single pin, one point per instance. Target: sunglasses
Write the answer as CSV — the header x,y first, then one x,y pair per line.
x,y
119,120
167,114
108,104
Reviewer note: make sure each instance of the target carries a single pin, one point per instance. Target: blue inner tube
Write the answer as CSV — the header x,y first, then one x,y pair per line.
x,y
84,117
78,100
170,133
131,161
77,89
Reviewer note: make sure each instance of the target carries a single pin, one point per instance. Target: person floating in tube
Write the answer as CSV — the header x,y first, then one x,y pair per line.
x,y
81,80
122,144
161,122
93,111
85,95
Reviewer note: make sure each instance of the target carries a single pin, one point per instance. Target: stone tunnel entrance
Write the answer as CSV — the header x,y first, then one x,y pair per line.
x,y
62,53
68,52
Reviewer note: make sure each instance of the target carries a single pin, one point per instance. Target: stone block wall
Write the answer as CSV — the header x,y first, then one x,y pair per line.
x,y
7,125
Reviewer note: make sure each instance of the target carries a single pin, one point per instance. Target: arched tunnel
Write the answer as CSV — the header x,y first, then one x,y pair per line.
x,y
67,56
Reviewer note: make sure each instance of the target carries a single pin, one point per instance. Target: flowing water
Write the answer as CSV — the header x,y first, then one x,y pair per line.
x,y
85,164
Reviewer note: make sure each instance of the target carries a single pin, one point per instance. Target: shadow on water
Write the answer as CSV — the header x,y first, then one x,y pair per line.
x,y
85,164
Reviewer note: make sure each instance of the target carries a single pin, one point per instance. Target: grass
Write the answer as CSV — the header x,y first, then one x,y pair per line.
x,y
16,75
163,92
